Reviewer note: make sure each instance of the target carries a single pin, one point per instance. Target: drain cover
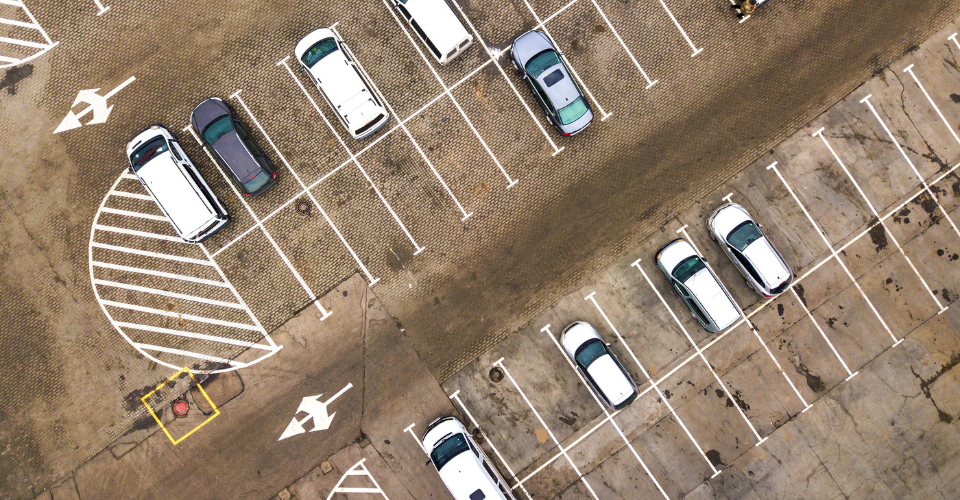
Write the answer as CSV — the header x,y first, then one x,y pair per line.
x,y
302,207
496,374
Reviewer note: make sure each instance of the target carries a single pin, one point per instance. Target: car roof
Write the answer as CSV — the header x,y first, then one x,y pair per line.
x,y
168,184
463,475
563,92
441,25
767,262
714,299
237,156
610,379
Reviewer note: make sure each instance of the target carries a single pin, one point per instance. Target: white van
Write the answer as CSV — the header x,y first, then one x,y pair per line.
x,y
437,26
326,59
160,164
462,465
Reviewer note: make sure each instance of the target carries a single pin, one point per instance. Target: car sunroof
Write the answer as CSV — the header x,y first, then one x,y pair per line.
x,y
553,78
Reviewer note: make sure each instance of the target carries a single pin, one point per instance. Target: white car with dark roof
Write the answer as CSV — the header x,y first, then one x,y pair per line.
x,y
598,365
742,239
700,289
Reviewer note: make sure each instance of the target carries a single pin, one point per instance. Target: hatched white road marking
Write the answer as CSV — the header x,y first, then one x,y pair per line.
x,y
41,40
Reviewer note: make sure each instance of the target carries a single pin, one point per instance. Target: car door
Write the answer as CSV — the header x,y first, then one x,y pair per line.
x,y
542,97
692,303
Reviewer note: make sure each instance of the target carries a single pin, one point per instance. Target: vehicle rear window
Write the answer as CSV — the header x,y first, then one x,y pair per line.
x,y
551,79
781,287
258,181
542,62
589,353
687,268
369,124
321,49
217,129
573,111
743,235
449,448
145,153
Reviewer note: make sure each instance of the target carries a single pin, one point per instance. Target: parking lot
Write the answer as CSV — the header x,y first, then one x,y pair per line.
x,y
862,202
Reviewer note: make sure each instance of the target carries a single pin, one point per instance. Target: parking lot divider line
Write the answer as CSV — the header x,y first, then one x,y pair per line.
x,y
324,314
162,274
139,215
194,335
494,58
125,194
698,350
909,69
822,333
407,131
182,316
191,354
603,409
819,133
415,438
165,293
546,428
456,397
353,157
749,324
954,38
560,453
148,253
682,32
446,90
833,251
592,298
650,83
910,162
132,232
569,64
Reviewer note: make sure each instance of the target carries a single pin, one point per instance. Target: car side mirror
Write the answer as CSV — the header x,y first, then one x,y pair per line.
x,y
760,226
608,344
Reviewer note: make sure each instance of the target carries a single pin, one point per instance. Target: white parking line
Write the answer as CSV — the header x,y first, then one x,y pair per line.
x,y
324,314
909,69
132,232
699,353
456,397
494,58
910,162
415,438
129,213
836,256
822,334
806,406
155,291
136,196
569,65
353,157
161,274
173,314
819,133
193,335
147,253
405,130
954,38
682,32
646,374
549,432
190,354
446,90
650,83
33,24
603,409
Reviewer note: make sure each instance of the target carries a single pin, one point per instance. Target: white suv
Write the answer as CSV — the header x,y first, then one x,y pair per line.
x,y
699,288
462,465
327,60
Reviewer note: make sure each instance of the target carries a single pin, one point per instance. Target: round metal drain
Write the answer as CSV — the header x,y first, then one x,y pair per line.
x,y
302,207
496,374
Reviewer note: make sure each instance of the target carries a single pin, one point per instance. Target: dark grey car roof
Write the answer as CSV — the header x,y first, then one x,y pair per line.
x,y
230,148
562,92
530,44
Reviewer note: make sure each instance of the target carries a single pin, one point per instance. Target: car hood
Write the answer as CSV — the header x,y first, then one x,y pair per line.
x,y
311,38
576,335
206,112
726,218
236,155
715,300
610,379
768,262
675,253
530,44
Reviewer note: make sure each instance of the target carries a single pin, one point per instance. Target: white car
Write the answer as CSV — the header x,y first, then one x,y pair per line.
x,y
437,26
327,61
598,365
462,465
762,266
708,300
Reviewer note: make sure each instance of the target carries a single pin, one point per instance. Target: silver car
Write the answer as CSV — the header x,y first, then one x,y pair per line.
x,y
762,266
598,365
708,300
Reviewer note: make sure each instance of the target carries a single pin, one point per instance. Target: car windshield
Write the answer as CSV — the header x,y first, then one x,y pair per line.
x,y
321,49
258,181
687,268
743,235
589,352
217,129
542,62
145,153
449,448
573,111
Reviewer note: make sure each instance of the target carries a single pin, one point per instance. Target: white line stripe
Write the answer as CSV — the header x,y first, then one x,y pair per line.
x,y
604,409
699,351
129,213
954,38
682,32
161,274
313,298
14,3
198,336
546,428
188,317
909,69
592,298
128,175
563,450
32,45
189,354
125,194
50,43
877,215
132,232
165,293
147,253
833,251
21,24
822,333
650,83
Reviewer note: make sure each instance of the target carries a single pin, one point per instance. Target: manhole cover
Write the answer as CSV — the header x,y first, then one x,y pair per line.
x,y
478,436
496,374
302,207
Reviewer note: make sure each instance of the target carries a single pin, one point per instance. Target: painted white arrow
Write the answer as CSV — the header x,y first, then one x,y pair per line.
x,y
315,410
97,104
